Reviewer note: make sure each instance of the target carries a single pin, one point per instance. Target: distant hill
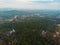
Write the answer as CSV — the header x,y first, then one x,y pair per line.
x,y
9,12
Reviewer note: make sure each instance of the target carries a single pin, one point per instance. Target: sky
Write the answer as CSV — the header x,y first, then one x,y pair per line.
x,y
31,4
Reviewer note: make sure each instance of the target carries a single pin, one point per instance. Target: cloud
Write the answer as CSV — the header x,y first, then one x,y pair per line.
x,y
36,6
43,0
29,4
35,0
23,0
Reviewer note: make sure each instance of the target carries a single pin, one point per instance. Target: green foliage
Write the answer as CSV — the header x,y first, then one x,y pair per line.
x,y
28,32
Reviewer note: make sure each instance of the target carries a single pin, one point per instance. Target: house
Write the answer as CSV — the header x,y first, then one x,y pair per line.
x,y
12,31
43,33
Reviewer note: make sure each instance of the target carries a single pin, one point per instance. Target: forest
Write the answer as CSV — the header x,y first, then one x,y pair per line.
x,y
30,31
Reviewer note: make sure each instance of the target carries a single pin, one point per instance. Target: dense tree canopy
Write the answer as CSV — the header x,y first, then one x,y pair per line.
x,y
28,31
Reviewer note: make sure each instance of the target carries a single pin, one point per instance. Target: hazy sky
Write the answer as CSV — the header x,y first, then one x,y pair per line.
x,y
30,4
